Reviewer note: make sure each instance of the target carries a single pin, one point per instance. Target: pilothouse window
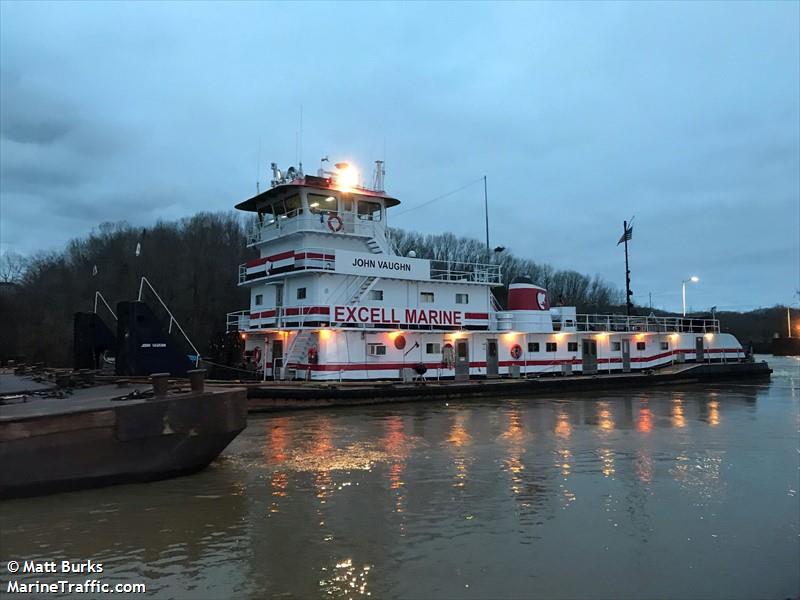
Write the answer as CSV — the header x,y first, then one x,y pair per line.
x,y
369,211
282,209
321,203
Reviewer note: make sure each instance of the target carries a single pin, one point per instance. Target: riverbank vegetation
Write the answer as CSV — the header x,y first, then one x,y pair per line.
x,y
193,264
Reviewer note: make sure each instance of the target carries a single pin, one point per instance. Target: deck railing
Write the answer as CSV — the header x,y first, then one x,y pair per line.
x,y
441,270
299,220
637,324
238,321
448,270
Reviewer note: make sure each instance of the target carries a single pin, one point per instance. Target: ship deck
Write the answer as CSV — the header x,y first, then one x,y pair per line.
x,y
274,396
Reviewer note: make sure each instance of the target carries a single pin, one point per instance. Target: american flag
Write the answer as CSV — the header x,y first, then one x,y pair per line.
x,y
626,237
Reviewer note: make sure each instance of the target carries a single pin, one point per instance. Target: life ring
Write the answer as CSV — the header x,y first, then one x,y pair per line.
x,y
335,223
400,342
312,355
257,355
516,351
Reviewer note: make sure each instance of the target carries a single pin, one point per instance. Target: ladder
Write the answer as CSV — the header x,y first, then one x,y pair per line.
x,y
297,353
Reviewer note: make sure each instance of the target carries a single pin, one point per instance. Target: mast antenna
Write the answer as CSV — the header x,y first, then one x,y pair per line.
x,y
300,149
378,176
258,167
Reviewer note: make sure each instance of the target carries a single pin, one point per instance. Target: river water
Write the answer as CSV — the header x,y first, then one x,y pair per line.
x,y
686,492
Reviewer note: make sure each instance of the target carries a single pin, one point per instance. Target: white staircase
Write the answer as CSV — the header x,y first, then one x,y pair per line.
x,y
365,287
374,246
298,351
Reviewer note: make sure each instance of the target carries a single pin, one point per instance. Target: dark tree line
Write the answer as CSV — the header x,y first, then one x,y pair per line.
x,y
589,294
192,263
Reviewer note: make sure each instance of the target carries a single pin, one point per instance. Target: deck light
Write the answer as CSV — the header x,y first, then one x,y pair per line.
x,y
346,176
314,204
330,199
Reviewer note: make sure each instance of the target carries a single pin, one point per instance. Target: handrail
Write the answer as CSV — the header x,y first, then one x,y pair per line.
x,y
302,220
172,319
638,324
441,270
98,295
233,321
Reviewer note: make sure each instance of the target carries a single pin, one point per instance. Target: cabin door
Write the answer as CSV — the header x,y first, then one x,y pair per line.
x,y
462,360
491,359
626,355
698,349
277,359
589,356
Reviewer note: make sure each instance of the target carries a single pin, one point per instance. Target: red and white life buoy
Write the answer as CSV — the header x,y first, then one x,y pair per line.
x,y
257,355
335,223
516,351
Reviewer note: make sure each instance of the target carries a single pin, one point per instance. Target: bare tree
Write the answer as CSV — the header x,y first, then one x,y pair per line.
x,y
12,267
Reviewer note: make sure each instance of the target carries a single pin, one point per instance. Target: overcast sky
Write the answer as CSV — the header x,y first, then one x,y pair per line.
x,y
686,115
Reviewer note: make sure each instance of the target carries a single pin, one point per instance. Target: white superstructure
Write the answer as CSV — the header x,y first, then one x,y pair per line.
x,y
331,300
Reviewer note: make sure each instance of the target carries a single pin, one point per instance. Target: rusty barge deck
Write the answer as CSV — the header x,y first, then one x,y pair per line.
x,y
106,434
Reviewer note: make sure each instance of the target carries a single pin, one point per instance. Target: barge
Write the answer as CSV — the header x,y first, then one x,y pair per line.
x,y
110,434
332,300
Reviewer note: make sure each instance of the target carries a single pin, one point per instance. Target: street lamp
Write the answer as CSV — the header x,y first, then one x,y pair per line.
x,y
692,279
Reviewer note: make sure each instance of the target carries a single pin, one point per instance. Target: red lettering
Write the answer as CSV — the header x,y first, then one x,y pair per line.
x,y
447,317
457,317
433,317
394,318
338,314
351,313
422,317
375,315
363,314
411,315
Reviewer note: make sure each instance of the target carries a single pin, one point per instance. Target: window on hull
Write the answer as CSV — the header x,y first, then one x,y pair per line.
x,y
551,347
376,349
533,346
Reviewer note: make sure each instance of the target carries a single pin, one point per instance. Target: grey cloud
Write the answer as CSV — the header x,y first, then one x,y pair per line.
x,y
685,114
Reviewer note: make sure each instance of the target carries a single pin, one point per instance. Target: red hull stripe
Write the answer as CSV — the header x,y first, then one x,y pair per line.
x,y
314,255
306,310
476,316
275,257
482,364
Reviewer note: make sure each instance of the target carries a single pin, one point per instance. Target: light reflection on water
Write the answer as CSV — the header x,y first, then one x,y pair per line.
x,y
681,493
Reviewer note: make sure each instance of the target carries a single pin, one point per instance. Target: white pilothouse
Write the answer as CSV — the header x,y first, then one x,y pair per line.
x,y
331,300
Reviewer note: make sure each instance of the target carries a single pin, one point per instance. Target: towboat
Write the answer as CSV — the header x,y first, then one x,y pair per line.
x,y
331,299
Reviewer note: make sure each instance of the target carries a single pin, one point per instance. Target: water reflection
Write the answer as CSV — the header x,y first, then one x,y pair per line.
x,y
423,500
678,420
644,422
